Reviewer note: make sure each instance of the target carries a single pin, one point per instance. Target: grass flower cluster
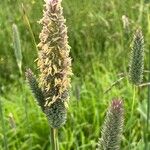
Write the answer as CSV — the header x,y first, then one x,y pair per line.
x,y
52,88
54,64
137,58
113,127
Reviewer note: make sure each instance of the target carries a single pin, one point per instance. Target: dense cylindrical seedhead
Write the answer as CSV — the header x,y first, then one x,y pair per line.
x,y
112,127
137,58
56,114
54,63
35,88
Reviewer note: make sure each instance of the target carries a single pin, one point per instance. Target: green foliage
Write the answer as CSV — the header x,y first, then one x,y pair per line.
x,y
100,50
85,114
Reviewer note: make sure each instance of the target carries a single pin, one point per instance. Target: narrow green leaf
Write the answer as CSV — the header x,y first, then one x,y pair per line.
x,y
17,47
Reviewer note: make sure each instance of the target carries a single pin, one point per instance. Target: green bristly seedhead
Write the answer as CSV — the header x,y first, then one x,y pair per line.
x,y
112,128
54,64
137,58
35,88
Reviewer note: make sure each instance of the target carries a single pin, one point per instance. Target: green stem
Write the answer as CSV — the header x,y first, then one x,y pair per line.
x,y
132,111
3,126
29,27
133,100
148,110
148,94
148,116
54,139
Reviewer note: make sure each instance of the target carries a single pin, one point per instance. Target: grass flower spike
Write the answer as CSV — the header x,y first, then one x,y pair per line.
x,y
112,128
137,58
35,88
54,64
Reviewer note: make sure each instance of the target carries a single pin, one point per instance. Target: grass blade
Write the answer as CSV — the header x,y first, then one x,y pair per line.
x,y
17,47
29,26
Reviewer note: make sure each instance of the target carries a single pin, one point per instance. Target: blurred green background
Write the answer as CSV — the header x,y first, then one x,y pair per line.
x,y
100,50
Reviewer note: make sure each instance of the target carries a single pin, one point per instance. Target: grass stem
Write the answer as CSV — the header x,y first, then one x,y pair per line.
x,y
132,111
148,111
3,126
133,100
148,116
54,140
29,26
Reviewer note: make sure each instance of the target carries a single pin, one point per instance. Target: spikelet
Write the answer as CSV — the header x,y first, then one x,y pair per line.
x,y
137,59
112,128
54,63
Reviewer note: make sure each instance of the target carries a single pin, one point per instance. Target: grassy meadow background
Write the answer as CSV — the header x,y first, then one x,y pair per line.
x,y
100,49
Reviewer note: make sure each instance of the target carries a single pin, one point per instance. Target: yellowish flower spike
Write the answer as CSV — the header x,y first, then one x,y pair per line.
x,y
54,63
